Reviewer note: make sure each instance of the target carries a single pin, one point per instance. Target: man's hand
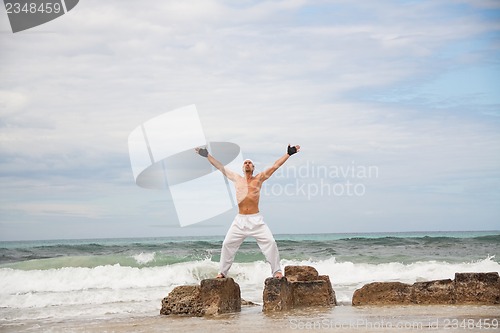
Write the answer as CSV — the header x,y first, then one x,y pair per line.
x,y
202,151
293,149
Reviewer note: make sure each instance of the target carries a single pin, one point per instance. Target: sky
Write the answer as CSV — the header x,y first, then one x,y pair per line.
x,y
396,105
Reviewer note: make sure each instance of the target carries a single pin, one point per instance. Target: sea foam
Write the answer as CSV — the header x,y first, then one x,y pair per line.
x,y
144,258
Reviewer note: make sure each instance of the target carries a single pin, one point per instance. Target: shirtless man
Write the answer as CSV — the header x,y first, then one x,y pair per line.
x,y
249,221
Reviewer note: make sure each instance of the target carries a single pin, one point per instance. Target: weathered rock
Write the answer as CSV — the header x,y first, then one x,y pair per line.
x,y
278,295
312,293
220,296
301,273
383,293
301,287
467,288
477,288
331,292
433,292
183,300
211,297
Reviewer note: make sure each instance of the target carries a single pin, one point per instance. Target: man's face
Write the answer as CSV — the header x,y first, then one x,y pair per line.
x,y
248,166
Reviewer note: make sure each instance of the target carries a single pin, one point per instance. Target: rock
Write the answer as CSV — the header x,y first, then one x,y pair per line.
x,y
382,293
467,288
220,296
211,297
312,293
433,292
183,300
301,287
278,295
301,273
477,288
331,292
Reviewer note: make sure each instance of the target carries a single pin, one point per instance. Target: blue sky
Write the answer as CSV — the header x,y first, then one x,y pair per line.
x,y
411,88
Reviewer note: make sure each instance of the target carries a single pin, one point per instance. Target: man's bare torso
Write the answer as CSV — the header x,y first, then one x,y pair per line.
x,y
248,194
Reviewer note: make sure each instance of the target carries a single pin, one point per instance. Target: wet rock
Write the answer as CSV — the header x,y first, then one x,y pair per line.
x,y
301,287
312,293
331,293
185,300
301,273
378,293
433,292
467,288
477,288
211,297
277,295
220,296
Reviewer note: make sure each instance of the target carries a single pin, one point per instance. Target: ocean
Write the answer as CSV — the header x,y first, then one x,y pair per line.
x,y
102,279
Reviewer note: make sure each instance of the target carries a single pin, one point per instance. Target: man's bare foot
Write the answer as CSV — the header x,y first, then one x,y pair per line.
x,y
278,275
220,276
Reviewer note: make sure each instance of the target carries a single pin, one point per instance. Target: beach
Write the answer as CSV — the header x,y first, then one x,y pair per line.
x,y
337,319
116,285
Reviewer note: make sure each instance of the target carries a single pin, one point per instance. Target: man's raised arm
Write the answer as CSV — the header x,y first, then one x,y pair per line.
x,y
290,151
218,165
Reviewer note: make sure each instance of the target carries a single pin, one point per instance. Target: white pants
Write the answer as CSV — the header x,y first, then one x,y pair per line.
x,y
249,225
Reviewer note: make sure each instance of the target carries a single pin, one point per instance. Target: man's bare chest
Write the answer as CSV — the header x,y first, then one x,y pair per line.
x,y
250,186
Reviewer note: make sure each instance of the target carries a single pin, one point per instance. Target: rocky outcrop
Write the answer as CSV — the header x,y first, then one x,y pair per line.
x,y
220,296
277,295
301,287
301,273
184,300
477,288
433,292
382,293
211,297
466,288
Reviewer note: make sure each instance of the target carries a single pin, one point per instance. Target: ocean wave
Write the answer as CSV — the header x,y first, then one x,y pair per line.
x,y
112,284
369,248
488,239
144,258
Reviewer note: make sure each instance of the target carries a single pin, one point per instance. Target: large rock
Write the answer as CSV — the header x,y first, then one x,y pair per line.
x,y
312,293
477,288
183,300
382,293
467,288
220,296
301,287
277,296
301,273
211,297
433,292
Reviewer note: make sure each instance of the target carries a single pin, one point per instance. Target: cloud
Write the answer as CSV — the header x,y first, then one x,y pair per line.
x,y
348,81
58,209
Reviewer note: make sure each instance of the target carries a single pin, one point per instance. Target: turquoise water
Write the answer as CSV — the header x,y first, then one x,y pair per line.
x,y
373,248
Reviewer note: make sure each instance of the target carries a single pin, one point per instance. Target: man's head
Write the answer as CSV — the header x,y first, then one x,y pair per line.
x,y
248,166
